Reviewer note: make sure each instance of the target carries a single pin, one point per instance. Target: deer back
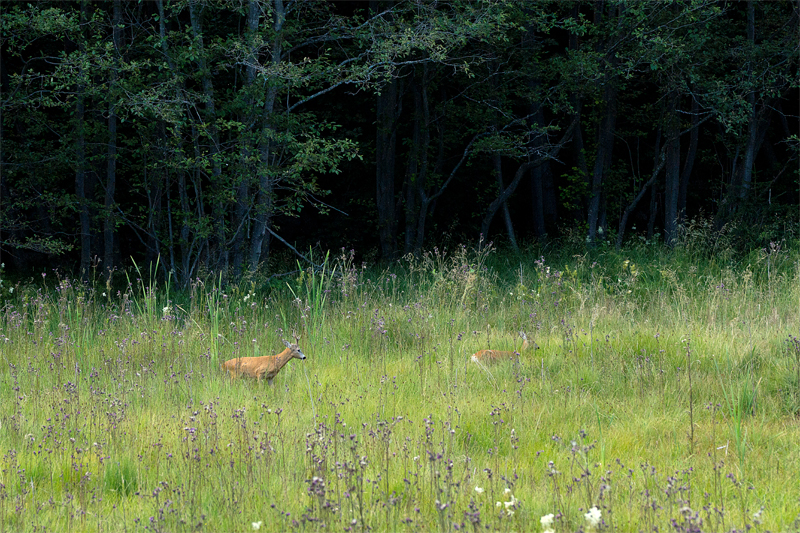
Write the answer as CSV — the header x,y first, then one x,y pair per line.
x,y
496,355
268,365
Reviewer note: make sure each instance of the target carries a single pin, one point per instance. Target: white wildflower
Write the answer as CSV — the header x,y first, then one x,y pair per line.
x,y
257,525
507,491
547,521
479,490
593,517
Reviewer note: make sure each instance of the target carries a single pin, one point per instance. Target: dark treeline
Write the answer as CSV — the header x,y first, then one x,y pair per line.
x,y
209,133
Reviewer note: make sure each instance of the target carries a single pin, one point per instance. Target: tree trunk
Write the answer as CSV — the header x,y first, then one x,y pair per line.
x,y
386,146
549,198
410,192
602,222
742,173
605,145
111,175
506,193
579,213
3,188
623,221
536,123
580,209
498,172
200,202
426,197
689,163
240,224
385,158
605,133
658,164
154,191
542,188
417,201
538,202
259,244
653,211
752,126
210,118
187,249
537,174
162,134
80,168
80,186
673,169
425,141
543,199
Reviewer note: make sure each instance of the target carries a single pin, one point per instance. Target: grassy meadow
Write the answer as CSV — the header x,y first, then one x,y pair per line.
x,y
663,393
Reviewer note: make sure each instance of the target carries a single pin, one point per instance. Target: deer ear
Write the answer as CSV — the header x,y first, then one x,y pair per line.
x,y
287,344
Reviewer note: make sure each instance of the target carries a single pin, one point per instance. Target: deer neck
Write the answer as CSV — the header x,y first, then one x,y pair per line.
x,y
282,358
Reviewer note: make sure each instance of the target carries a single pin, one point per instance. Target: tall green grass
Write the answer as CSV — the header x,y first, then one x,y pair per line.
x,y
662,392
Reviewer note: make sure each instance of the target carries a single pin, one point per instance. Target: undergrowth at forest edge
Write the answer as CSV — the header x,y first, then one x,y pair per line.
x,y
663,391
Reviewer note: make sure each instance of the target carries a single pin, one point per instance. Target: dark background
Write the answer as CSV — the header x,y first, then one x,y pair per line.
x,y
622,78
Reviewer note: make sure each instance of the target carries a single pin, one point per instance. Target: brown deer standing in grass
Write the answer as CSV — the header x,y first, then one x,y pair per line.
x,y
267,366
491,356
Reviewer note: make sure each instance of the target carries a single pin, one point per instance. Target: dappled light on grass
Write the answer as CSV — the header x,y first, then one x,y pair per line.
x,y
662,399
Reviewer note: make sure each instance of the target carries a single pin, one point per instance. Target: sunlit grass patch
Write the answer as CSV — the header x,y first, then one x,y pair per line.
x,y
121,477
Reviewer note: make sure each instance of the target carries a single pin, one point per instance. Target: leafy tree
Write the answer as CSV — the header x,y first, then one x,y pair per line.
x,y
193,132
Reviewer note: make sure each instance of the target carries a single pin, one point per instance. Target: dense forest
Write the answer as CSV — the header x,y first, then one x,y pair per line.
x,y
211,133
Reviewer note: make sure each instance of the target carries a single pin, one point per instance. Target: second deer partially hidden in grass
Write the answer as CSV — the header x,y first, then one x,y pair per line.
x,y
490,356
267,366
